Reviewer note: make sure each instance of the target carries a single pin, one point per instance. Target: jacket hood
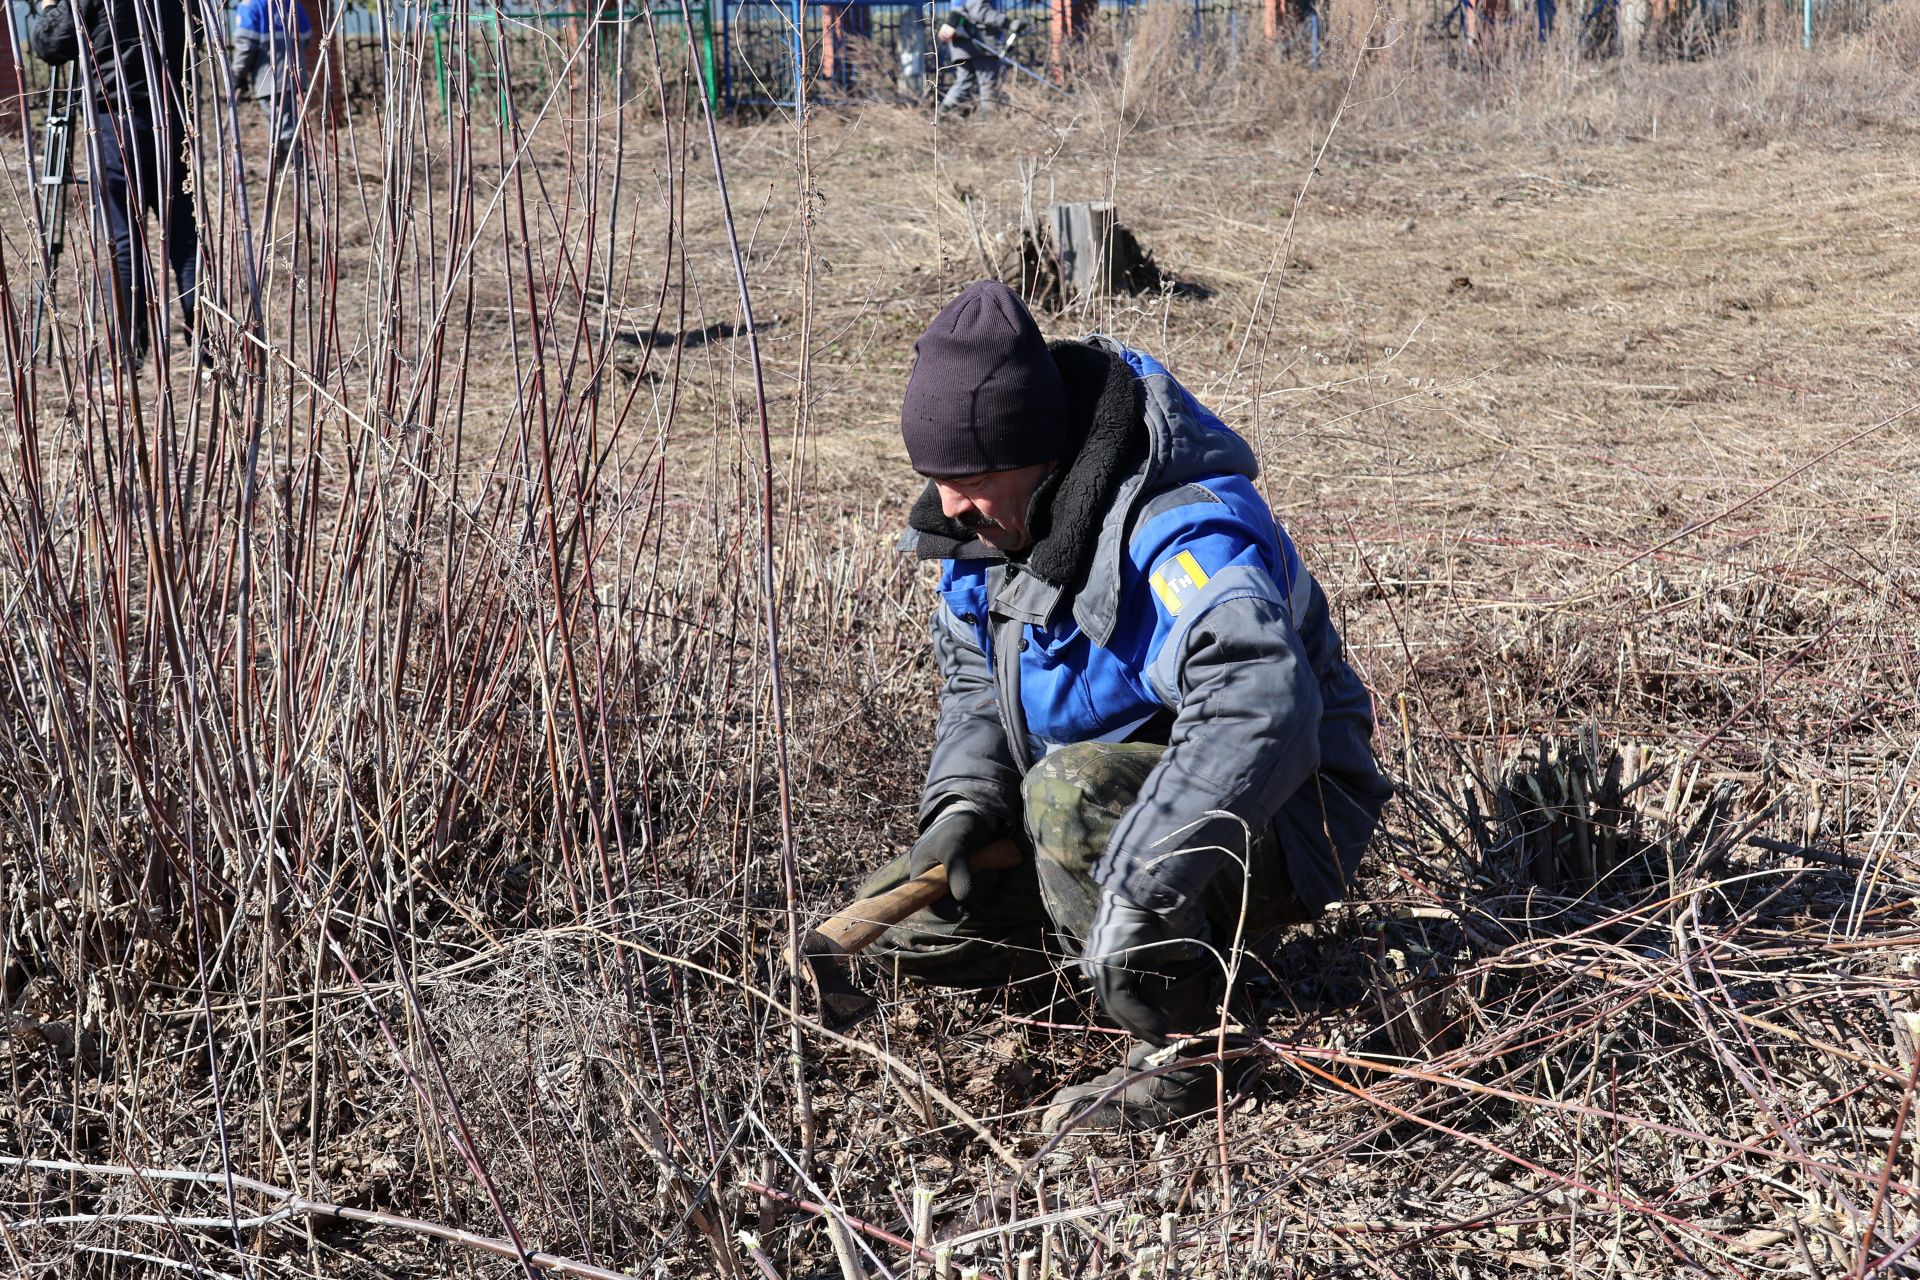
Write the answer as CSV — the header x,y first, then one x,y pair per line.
x,y
1144,434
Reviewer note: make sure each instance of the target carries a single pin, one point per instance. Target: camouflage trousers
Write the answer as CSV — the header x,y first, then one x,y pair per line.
x,y
1040,910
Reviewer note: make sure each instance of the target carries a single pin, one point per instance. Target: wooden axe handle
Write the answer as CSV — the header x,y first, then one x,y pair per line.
x,y
857,927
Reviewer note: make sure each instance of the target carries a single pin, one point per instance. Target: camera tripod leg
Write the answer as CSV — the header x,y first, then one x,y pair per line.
x,y
56,176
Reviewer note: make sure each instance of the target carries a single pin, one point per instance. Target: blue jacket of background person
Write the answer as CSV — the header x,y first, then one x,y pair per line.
x,y
1160,601
269,40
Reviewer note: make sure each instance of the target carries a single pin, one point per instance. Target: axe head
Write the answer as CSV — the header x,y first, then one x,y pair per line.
x,y
824,966
824,950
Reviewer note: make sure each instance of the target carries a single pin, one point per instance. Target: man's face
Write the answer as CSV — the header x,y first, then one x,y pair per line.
x,y
994,504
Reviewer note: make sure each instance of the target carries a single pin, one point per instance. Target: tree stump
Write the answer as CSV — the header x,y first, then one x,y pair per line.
x,y
1083,246
1075,253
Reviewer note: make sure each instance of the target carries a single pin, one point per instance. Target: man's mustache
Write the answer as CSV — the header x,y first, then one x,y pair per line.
x,y
974,521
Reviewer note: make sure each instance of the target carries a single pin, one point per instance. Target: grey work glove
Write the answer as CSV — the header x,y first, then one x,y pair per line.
x,y
1152,972
949,841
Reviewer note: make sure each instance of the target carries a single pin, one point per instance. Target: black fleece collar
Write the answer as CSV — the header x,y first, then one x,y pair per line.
x,y
1071,503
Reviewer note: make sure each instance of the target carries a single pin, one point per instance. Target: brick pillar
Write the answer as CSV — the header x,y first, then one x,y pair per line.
x,y
837,23
1067,21
331,109
10,103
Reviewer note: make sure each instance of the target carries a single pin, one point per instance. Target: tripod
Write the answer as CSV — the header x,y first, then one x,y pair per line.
x,y
56,175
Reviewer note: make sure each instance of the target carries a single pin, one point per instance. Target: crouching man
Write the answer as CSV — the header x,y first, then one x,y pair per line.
x,y
1140,681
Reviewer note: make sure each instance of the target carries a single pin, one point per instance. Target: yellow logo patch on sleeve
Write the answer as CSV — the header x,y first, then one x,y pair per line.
x,y
1178,581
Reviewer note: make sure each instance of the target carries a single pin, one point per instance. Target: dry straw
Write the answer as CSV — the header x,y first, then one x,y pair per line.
x,y
419,735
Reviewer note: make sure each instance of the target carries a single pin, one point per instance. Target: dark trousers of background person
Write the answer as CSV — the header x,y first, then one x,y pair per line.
x,y
283,110
140,169
973,78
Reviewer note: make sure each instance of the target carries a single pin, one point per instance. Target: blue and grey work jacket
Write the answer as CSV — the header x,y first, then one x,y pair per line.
x,y
979,31
1193,623
270,39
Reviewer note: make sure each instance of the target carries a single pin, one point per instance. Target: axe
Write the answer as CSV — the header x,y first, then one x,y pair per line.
x,y
827,947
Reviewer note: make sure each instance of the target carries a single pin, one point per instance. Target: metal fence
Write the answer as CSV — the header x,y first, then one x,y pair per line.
x,y
877,48
480,54
492,61
361,46
851,50
516,59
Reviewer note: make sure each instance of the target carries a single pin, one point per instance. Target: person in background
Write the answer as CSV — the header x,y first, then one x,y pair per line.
x,y
272,45
130,54
976,36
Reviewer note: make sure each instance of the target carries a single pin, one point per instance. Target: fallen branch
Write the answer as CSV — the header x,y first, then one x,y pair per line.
x,y
292,1205
831,1215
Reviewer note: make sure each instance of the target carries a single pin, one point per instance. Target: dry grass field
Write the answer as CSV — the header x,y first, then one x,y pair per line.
x,y
418,739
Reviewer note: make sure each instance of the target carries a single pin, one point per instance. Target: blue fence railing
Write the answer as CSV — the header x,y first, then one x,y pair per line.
x,y
868,49
873,48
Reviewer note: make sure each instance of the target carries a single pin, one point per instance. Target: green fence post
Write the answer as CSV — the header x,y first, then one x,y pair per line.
x,y
436,23
500,68
706,55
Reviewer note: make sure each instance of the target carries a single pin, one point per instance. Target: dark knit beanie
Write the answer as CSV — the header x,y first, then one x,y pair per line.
x,y
984,395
